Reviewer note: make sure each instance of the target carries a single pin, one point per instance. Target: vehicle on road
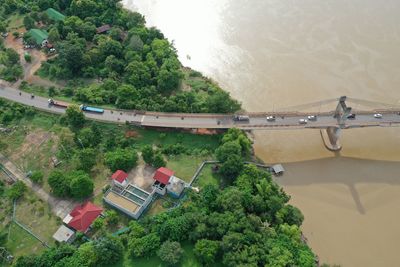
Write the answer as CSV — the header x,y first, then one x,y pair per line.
x,y
57,103
32,96
351,116
378,116
241,118
303,121
91,109
271,118
312,118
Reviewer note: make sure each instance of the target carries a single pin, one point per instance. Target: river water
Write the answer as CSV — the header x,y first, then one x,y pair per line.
x,y
272,54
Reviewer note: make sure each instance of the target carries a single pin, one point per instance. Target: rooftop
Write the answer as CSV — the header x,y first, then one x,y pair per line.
x,y
54,14
119,176
103,28
63,234
82,216
38,35
163,174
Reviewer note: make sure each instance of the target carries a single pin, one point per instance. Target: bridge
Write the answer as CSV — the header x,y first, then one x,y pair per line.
x,y
330,122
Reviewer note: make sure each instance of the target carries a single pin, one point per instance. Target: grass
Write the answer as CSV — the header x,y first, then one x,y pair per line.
x,y
184,166
188,260
37,216
15,22
22,243
207,176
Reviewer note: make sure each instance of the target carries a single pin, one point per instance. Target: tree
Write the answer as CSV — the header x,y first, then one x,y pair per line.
x,y
54,35
290,215
17,190
87,159
144,246
228,149
109,250
148,154
121,159
88,137
81,184
111,217
29,22
16,34
75,117
170,252
206,251
232,166
37,177
3,27
158,160
98,224
28,57
59,183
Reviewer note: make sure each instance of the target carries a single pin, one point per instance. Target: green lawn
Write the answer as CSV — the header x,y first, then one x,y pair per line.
x,y
207,176
184,166
22,243
15,22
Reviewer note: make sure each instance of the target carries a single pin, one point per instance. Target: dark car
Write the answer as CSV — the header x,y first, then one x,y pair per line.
x,y
351,116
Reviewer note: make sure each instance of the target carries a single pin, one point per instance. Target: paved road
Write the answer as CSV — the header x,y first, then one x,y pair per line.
x,y
212,121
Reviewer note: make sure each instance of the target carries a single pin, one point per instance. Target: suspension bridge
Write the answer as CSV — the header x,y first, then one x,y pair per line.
x,y
330,116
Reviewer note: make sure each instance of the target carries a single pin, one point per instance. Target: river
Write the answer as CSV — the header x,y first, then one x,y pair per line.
x,y
271,54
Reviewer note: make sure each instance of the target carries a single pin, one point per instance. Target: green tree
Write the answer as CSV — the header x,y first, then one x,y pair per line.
x,y
37,177
147,154
232,166
28,57
112,217
54,35
144,246
59,183
228,149
3,27
17,190
29,22
158,160
121,159
109,250
206,251
81,184
170,252
87,159
75,117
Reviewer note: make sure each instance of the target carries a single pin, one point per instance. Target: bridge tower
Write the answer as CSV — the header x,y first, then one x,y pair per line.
x,y
331,135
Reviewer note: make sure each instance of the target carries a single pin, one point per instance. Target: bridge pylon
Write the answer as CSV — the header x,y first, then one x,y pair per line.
x,y
342,111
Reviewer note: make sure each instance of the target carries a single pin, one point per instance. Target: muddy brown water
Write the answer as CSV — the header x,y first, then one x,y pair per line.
x,y
277,53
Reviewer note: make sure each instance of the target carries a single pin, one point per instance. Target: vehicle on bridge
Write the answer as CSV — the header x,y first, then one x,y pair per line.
x,y
91,109
312,118
270,118
57,103
241,118
378,116
351,116
303,121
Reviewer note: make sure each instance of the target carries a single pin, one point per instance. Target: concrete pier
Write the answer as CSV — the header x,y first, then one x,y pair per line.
x,y
331,136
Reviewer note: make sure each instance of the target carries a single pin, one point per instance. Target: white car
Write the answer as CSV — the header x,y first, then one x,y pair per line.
x,y
312,118
302,121
378,116
270,118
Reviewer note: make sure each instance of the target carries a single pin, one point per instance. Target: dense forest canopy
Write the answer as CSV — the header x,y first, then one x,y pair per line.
x,y
130,66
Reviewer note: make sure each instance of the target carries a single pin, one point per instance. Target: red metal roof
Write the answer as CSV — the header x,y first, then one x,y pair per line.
x,y
83,216
119,176
162,175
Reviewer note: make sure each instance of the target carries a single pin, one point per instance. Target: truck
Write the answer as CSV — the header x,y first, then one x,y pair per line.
x,y
91,109
59,104
241,118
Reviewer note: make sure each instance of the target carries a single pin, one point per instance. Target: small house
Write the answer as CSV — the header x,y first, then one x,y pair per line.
x,y
161,179
55,15
103,29
39,36
64,234
119,178
82,216
165,181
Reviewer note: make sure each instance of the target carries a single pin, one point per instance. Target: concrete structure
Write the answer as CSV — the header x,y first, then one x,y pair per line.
x,y
131,200
82,216
277,169
119,178
64,234
175,187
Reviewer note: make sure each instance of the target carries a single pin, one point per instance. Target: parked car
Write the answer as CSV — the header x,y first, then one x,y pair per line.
x,y
378,116
351,116
312,118
270,118
303,121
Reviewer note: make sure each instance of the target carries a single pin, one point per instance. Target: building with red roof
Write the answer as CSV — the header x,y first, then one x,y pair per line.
x,y
163,175
120,178
82,216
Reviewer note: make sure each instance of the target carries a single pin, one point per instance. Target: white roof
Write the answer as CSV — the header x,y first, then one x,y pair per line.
x,y
278,168
67,219
63,234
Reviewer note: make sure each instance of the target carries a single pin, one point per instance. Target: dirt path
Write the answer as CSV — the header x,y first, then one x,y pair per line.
x,y
59,207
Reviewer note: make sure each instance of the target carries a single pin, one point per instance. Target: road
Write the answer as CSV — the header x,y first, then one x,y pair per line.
x,y
257,121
